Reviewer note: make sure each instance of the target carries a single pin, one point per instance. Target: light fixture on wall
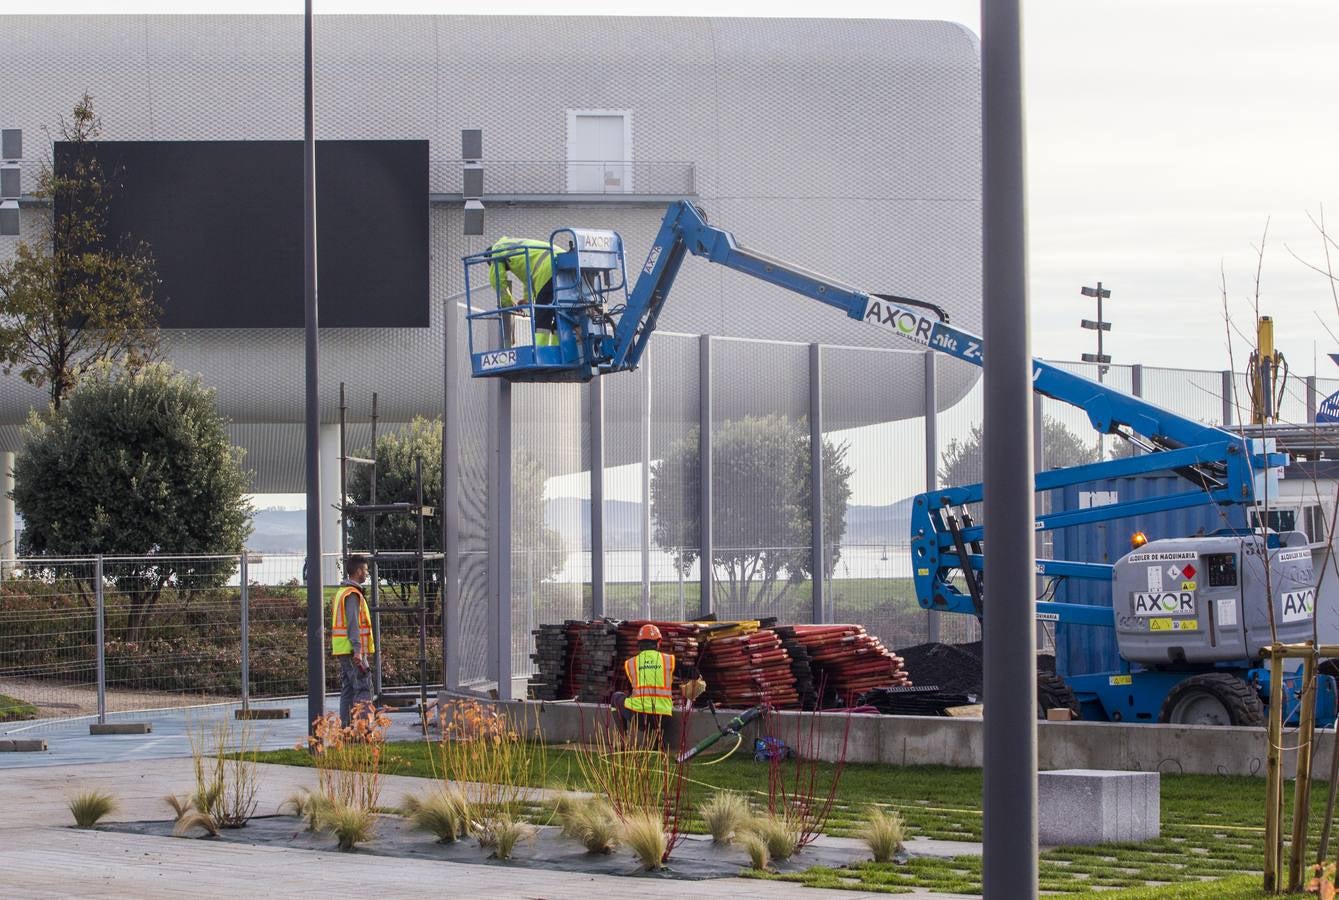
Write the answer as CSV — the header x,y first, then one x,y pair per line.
x,y
472,191
11,151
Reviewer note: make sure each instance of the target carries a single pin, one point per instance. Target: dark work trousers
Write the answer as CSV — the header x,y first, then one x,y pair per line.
x,y
647,723
355,686
546,319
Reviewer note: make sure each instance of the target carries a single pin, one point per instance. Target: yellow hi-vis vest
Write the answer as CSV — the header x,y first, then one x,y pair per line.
x,y
339,629
536,261
651,674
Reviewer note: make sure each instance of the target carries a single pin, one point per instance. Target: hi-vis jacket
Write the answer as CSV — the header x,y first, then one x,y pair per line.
x,y
340,645
651,674
536,261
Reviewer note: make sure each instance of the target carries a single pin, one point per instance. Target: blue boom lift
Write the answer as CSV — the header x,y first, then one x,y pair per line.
x,y
1191,614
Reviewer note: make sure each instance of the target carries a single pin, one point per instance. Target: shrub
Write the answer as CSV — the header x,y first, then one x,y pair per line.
x,y
180,806
445,813
644,833
592,822
195,818
350,823
503,834
136,464
756,848
778,833
724,815
883,834
225,773
89,807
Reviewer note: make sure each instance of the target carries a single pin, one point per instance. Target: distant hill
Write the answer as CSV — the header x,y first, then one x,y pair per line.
x,y
887,524
285,530
279,531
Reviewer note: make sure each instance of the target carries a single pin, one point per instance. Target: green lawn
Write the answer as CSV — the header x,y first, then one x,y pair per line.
x,y
1210,826
12,709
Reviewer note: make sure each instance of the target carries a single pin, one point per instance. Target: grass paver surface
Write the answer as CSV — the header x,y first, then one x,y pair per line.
x,y
1211,827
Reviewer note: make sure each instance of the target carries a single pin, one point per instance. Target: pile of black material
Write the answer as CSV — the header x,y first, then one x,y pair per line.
x,y
590,671
800,667
954,668
922,700
550,659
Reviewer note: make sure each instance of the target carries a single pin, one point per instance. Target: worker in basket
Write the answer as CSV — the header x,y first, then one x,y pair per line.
x,y
531,264
651,675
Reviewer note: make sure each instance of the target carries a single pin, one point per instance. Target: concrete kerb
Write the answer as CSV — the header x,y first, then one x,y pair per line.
x,y
954,742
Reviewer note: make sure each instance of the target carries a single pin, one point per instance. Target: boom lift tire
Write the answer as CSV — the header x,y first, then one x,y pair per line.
x,y
1212,698
1054,693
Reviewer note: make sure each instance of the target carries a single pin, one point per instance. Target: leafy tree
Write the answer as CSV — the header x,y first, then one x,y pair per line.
x,y
77,296
396,455
134,464
961,461
761,523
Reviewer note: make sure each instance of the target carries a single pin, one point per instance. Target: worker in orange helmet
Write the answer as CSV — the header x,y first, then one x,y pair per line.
x,y
651,674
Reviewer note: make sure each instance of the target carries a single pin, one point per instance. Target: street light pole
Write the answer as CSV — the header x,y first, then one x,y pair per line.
x,y
1009,791
315,600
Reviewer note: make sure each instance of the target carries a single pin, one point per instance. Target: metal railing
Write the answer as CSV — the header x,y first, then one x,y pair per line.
x,y
95,637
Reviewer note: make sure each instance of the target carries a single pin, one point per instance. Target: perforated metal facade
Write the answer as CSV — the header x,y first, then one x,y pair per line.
x,y
850,147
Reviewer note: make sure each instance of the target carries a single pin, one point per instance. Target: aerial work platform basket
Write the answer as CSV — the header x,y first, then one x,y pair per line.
x,y
589,293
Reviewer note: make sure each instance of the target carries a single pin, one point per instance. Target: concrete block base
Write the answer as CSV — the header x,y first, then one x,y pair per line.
x,y
24,745
121,728
1096,806
269,713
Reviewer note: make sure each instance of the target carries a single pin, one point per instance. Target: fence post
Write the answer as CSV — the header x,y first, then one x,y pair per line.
x,y
1227,398
101,630
931,465
246,633
705,600
816,537
1311,399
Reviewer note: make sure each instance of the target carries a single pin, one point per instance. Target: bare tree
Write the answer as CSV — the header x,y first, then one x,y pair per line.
x,y
77,296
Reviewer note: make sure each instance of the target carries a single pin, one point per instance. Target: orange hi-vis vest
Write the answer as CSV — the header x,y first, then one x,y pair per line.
x,y
651,674
339,631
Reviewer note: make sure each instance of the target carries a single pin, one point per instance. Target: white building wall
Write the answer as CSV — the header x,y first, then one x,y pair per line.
x,y
849,147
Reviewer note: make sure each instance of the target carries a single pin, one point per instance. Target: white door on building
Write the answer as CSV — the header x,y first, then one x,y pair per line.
x,y
598,152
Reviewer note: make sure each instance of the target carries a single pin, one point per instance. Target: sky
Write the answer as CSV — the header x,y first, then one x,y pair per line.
x,y
1163,139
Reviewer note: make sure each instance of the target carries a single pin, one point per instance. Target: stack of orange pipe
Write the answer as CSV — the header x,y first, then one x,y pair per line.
x,y
747,670
848,661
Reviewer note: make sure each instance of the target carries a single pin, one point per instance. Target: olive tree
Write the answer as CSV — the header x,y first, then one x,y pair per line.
x,y
136,464
761,503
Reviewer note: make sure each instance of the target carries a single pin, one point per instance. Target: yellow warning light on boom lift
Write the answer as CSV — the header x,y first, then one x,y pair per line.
x,y
1137,540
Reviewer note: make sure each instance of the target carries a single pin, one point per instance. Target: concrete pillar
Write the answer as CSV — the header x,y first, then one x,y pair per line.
x,y
330,497
8,549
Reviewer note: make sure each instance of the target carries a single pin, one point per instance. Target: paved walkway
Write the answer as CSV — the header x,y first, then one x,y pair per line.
x,y
43,857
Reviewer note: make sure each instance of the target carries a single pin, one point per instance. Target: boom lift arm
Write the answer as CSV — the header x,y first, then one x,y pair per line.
x,y
1221,467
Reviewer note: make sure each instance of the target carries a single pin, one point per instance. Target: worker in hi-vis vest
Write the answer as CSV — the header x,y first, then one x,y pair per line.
x,y
651,675
353,647
531,264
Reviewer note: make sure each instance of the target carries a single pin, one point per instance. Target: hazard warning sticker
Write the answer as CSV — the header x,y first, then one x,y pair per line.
x,y
1173,625
1290,555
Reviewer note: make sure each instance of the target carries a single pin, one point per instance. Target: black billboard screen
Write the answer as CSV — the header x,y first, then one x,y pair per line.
x,y
223,220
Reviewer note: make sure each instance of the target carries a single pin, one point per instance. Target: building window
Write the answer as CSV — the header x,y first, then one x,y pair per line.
x,y
599,151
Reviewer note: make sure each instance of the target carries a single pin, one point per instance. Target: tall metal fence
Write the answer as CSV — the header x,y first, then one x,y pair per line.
x,y
98,636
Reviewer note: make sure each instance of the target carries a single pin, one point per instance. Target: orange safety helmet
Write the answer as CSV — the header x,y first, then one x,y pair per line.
x,y
648,632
